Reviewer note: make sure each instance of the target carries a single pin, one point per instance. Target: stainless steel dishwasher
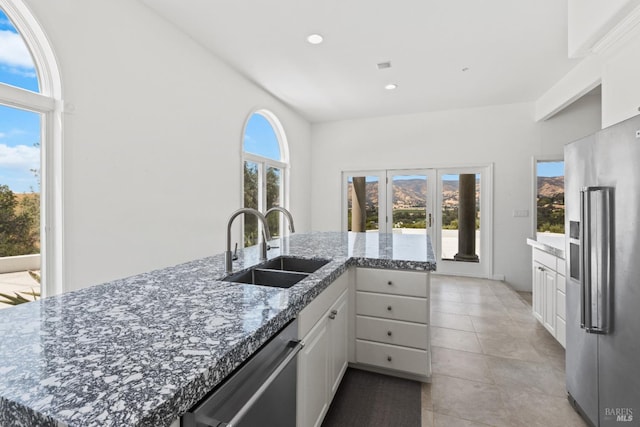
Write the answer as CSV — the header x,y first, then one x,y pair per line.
x,y
262,392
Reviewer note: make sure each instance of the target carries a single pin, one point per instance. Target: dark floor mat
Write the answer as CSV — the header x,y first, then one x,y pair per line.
x,y
367,399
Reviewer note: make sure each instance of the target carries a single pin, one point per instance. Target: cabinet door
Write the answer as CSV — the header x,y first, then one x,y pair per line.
x,y
313,376
538,291
338,318
550,301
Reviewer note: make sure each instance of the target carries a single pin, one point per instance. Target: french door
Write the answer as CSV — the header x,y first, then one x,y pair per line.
x,y
390,201
450,205
464,237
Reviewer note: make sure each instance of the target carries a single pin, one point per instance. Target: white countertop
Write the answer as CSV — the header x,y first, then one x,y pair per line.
x,y
552,243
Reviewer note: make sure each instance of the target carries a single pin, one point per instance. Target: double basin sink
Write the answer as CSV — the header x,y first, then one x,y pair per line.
x,y
280,272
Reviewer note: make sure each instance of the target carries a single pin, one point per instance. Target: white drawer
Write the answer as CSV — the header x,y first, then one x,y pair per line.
x,y
545,258
410,283
561,308
561,283
392,357
392,307
561,331
392,332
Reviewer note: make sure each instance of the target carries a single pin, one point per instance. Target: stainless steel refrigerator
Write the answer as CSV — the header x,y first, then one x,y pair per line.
x,y
602,197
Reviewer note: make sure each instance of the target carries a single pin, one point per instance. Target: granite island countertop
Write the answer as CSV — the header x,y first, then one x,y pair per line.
x,y
141,351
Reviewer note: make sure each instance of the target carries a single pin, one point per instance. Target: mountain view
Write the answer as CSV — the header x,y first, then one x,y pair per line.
x,y
550,202
410,193
409,203
549,186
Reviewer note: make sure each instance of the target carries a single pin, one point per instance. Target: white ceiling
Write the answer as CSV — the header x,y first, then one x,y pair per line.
x,y
515,50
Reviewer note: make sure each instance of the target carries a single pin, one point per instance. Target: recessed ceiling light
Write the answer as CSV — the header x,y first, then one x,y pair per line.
x,y
315,39
391,86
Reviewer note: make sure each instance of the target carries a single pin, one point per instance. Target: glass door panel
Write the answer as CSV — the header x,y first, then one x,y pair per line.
x,y
364,197
274,197
252,188
408,202
460,233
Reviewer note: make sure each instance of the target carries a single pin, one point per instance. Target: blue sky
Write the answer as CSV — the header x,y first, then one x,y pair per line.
x,y
19,130
550,169
260,138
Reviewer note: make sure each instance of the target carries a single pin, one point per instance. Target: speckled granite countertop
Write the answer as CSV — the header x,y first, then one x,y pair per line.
x,y
142,350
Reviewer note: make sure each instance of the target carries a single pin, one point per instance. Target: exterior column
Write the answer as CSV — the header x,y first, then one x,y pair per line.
x,y
359,204
467,219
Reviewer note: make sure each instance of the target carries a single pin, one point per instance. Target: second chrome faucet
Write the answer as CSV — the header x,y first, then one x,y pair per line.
x,y
286,213
266,235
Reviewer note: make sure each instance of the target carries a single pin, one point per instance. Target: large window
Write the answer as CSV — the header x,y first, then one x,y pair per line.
x,y
265,163
30,153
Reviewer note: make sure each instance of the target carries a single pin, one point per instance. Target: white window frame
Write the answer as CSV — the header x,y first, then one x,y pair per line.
x,y
534,188
263,164
49,103
484,268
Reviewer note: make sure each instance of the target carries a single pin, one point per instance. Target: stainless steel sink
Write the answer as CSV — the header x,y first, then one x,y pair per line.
x,y
265,277
302,265
280,272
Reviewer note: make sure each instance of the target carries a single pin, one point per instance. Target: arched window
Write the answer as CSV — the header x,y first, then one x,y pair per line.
x,y
265,162
30,147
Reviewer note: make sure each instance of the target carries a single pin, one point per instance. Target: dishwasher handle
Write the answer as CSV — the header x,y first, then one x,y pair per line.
x,y
295,347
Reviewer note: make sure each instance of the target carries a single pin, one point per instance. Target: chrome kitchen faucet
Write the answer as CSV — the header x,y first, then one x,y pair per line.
x,y
266,236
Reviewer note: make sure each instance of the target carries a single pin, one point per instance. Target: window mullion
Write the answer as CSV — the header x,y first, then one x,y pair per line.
x,y
25,100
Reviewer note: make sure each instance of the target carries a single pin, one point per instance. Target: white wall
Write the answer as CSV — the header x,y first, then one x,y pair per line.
x,y
152,140
614,65
505,135
621,84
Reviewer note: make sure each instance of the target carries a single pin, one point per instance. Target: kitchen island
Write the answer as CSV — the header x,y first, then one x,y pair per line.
x,y
142,350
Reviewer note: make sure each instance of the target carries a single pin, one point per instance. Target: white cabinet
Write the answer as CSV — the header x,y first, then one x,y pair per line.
x,y
323,359
338,318
548,293
561,309
537,292
392,322
389,333
313,376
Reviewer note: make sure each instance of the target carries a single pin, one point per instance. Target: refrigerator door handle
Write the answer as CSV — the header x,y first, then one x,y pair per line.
x,y
585,259
595,262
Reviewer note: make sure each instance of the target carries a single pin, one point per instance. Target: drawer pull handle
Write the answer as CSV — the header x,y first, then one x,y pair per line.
x,y
334,311
389,308
332,316
389,283
389,358
389,333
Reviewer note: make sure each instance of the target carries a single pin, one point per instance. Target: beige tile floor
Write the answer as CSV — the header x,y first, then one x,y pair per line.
x,y
493,363
17,282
